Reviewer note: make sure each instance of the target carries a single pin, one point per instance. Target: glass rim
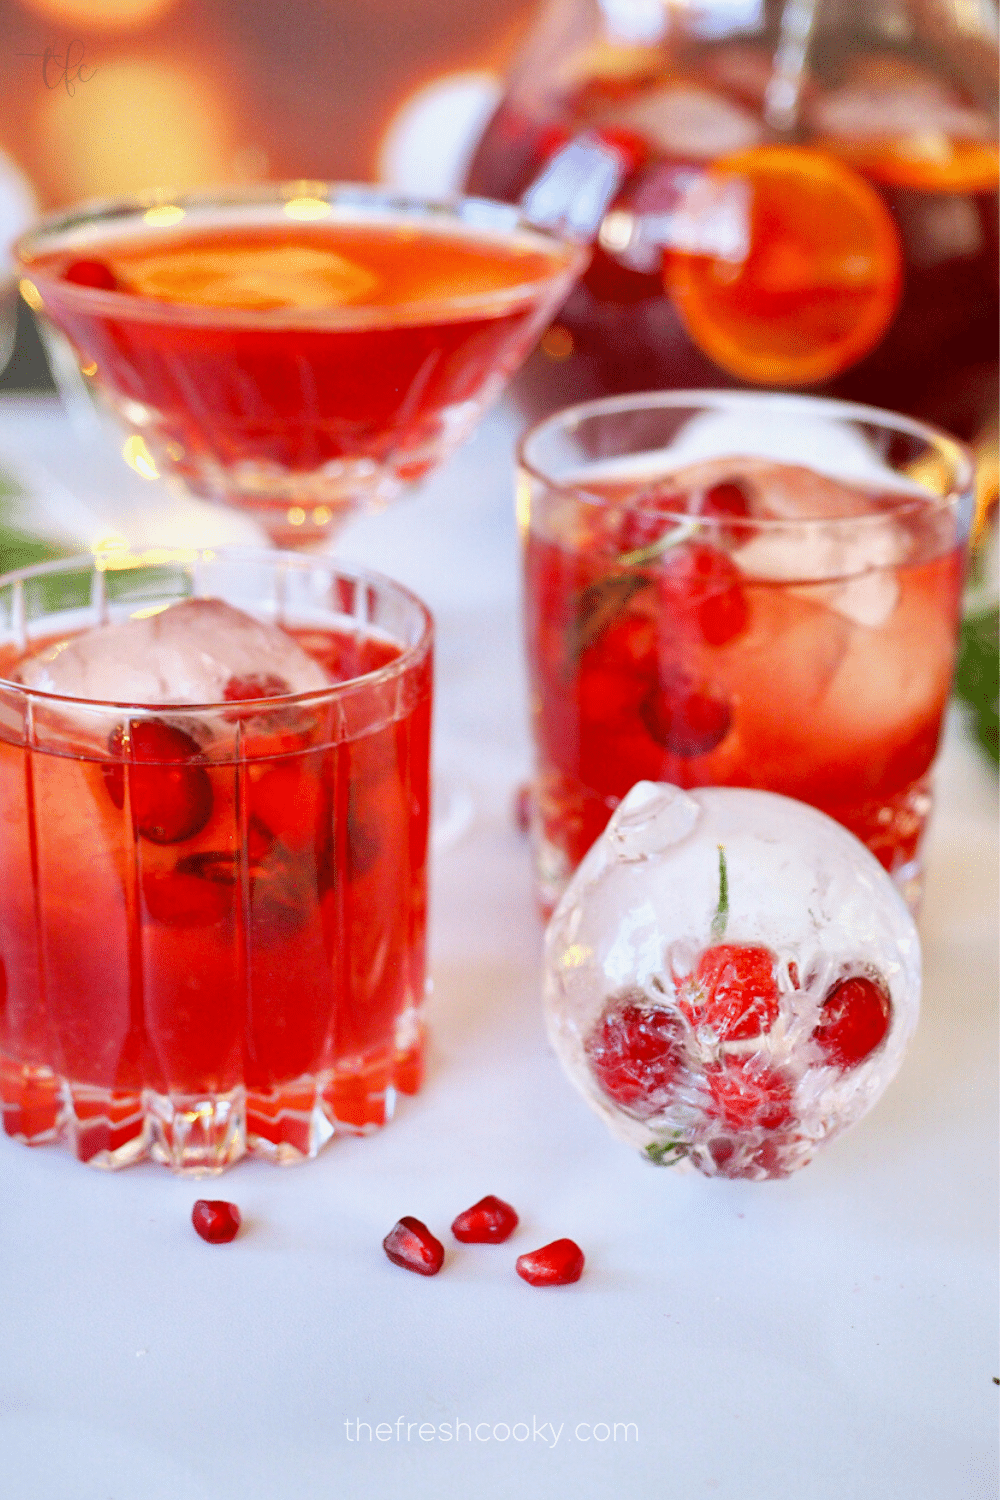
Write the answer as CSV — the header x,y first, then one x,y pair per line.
x,y
486,217
958,454
120,560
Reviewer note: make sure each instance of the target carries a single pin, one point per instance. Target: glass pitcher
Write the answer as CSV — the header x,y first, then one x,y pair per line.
x,y
799,196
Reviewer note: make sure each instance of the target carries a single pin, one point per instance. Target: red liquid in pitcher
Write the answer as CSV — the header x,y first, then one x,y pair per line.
x,y
854,254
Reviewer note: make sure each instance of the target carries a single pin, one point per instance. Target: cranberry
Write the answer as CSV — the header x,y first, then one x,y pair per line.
x,y
184,899
255,685
411,1245
488,1222
557,1264
734,991
635,1052
216,1221
746,1095
701,583
854,1020
684,718
171,799
91,273
725,500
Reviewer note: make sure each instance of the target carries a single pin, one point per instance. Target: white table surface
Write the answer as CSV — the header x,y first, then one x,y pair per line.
x,y
832,1337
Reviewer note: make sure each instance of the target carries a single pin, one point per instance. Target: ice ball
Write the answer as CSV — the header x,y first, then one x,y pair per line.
x,y
731,979
194,651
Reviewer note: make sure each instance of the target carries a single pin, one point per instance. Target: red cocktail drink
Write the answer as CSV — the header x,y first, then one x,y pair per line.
x,y
298,355
705,614
212,915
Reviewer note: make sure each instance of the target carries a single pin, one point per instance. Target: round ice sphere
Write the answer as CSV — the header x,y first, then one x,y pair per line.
x,y
731,979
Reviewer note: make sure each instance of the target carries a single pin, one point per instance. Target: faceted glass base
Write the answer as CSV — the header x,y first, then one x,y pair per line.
x,y
204,1134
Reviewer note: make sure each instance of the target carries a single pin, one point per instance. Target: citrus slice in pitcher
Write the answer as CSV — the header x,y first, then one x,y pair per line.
x,y
930,161
784,264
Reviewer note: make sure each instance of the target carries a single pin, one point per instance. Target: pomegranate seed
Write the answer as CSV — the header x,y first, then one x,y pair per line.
x,y
216,1221
634,1053
557,1264
488,1222
411,1245
734,991
522,807
683,719
171,800
746,1096
91,273
702,583
854,1020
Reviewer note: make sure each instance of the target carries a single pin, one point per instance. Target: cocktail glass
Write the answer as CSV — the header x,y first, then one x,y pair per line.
x,y
300,351
212,915
740,589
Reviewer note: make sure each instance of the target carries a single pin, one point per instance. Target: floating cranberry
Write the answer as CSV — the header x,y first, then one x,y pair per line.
x,y
635,1052
255,685
684,718
746,1095
724,501
734,991
92,273
703,584
488,1222
216,1221
179,898
854,1020
171,799
411,1245
557,1264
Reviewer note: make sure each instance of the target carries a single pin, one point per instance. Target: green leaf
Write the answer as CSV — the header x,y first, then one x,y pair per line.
x,y
600,603
722,910
19,550
666,1153
977,677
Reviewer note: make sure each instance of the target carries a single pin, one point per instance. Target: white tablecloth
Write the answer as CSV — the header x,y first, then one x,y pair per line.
x,y
832,1337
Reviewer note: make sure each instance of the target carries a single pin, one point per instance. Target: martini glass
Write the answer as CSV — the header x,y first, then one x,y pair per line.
x,y
300,351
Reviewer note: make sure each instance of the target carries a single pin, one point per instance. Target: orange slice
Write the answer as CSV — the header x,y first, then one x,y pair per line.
x,y
933,162
787,266
250,277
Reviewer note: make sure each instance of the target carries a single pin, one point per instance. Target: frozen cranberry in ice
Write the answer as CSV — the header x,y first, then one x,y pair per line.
x,y
171,798
635,1052
733,990
854,1020
411,1245
216,1221
746,1094
488,1222
557,1264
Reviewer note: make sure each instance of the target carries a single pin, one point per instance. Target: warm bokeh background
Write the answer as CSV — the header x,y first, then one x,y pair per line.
x,y
189,92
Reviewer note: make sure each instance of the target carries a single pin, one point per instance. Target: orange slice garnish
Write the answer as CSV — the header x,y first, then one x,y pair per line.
x,y
252,277
931,162
786,266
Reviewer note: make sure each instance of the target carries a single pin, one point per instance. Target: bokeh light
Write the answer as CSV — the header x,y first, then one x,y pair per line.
x,y
140,123
101,15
